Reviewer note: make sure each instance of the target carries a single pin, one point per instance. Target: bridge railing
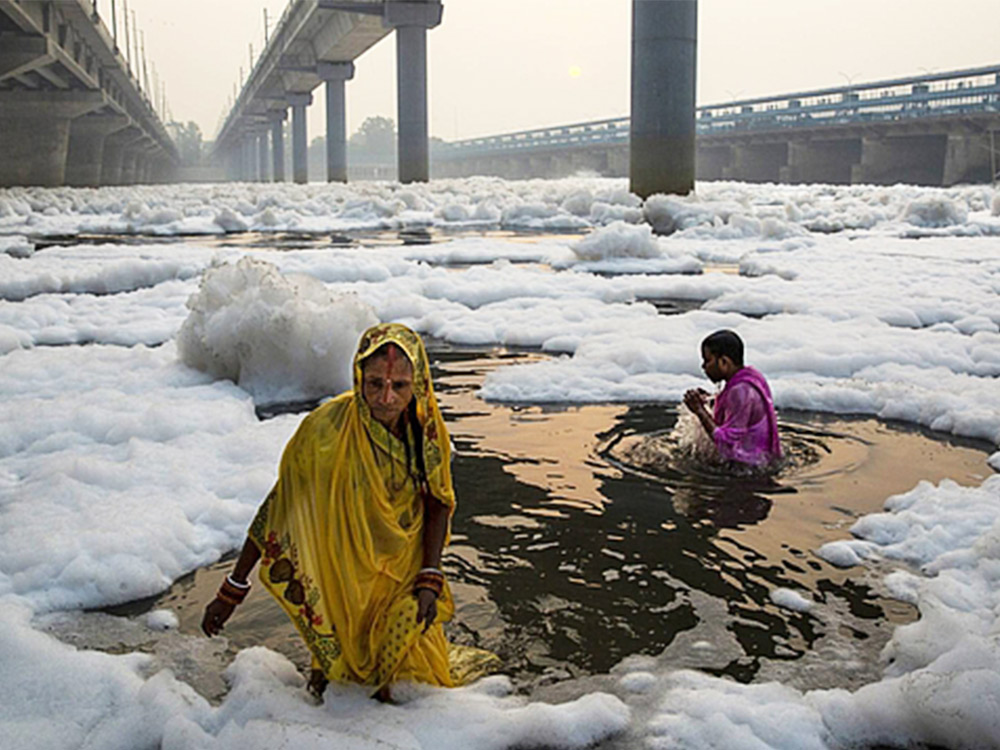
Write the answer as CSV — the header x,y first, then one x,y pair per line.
x,y
968,91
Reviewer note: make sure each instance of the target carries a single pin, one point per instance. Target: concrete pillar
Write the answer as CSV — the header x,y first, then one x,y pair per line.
x,y
300,143
712,161
277,119
85,153
967,158
262,157
129,159
115,146
662,139
758,162
249,158
915,160
618,161
34,134
411,21
336,75
821,161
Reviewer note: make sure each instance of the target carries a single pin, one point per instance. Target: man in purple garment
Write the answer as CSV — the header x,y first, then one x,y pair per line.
x,y
742,424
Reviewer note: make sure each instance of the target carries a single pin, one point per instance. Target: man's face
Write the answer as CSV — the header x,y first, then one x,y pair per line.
x,y
712,365
387,385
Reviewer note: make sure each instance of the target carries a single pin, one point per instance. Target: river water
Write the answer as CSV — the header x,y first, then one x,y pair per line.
x,y
582,537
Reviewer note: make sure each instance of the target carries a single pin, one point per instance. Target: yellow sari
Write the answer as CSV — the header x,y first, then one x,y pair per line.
x,y
341,533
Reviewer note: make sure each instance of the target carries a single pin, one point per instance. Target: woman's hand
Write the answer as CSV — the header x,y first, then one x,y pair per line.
x,y
216,614
427,608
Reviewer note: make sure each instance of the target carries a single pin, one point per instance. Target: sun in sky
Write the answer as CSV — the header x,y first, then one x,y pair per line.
x,y
575,71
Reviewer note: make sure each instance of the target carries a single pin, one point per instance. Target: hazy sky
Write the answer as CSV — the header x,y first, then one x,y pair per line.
x,y
502,65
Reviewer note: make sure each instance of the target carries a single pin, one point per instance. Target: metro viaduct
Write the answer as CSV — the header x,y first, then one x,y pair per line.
x,y
316,42
71,112
939,129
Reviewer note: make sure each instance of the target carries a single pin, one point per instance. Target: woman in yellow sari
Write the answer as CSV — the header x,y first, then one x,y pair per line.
x,y
350,537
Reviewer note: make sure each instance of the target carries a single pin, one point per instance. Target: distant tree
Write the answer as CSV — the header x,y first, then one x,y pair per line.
x,y
189,142
375,138
316,156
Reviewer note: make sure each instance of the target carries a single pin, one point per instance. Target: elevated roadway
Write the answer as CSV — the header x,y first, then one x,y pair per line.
x,y
316,42
937,129
71,110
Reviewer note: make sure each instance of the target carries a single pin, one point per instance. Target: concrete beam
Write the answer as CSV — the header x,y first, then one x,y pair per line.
x,y
336,75
85,154
19,55
35,128
662,140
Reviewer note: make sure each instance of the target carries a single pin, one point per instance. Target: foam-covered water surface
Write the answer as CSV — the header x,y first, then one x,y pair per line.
x,y
159,343
585,535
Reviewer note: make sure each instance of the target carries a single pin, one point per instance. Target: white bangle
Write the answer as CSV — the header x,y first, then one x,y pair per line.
x,y
237,584
432,570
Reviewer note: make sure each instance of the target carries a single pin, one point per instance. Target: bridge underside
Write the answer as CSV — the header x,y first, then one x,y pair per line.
x,y
942,154
70,110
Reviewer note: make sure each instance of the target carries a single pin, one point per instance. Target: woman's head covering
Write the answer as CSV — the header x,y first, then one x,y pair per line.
x,y
430,424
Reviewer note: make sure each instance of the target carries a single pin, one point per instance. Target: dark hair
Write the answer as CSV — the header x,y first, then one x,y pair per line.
x,y
725,343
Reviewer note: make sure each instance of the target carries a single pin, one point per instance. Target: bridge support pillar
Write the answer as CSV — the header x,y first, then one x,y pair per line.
x,y
914,159
262,157
34,134
411,21
277,119
757,163
129,159
336,76
618,161
113,158
967,158
821,161
664,41
712,162
300,143
85,153
249,158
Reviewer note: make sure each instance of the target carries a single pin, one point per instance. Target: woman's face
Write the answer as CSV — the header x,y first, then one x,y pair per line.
x,y
387,385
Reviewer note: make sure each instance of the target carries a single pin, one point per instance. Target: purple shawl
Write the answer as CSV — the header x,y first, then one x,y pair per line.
x,y
746,425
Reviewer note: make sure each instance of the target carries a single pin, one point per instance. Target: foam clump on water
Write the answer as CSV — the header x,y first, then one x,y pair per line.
x,y
935,211
162,619
17,246
790,599
281,338
618,240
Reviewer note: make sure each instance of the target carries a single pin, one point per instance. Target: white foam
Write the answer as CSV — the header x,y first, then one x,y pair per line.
x,y
790,599
280,338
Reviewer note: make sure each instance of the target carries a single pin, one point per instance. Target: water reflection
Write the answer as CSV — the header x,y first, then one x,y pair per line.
x,y
580,538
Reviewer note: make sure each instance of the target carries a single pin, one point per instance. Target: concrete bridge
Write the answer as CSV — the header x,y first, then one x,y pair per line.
x,y
71,110
938,129
316,42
